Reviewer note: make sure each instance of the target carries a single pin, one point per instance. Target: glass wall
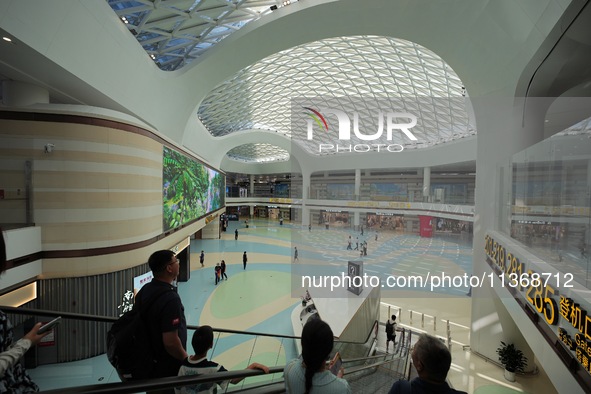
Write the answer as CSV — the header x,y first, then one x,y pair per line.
x,y
550,200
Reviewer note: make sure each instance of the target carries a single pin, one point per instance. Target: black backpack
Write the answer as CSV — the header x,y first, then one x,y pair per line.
x,y
129,344
389,328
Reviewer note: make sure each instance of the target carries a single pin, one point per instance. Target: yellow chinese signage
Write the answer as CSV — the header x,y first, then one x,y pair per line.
x,y
540,294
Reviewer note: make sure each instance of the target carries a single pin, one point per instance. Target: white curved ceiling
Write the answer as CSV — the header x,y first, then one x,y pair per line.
x,y
373,70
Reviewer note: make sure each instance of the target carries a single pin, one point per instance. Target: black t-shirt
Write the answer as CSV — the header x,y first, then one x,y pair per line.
x,y
164,315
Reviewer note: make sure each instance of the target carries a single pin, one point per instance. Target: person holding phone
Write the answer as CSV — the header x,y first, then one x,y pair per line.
x,y
309,374
336,365
13,376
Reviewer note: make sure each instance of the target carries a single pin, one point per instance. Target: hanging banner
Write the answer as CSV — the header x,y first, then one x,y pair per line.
x,y
426,226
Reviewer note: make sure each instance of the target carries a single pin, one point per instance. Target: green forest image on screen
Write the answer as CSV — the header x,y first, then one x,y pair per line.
x,y
190,189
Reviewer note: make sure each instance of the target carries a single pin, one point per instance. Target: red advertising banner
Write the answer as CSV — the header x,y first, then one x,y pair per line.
x,y
426,226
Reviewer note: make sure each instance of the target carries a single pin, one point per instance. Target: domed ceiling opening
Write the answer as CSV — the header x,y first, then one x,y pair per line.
x,y
369,67
258,153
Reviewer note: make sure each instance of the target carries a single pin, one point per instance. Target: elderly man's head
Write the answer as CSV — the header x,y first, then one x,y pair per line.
x,y
431,358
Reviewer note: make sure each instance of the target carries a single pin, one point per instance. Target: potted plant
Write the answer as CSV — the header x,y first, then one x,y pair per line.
x,y
512,359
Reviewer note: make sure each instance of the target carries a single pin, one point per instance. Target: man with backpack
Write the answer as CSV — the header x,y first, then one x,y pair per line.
x,y
391,332
164,316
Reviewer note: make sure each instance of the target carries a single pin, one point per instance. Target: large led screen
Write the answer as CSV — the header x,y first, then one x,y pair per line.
x,y
190,189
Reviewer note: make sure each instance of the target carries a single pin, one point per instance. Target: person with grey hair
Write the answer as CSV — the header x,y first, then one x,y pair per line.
x,y
432,360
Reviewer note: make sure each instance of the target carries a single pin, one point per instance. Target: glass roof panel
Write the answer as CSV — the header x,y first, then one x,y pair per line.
x,y
175,32
259,96
259,153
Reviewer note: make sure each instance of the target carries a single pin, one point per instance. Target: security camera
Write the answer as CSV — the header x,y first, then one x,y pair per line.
x,y
49,148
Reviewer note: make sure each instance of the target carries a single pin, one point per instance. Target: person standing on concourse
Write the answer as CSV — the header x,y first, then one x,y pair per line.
x,y
244,259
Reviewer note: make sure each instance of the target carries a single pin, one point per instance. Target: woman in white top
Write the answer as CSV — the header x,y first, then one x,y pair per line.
x,y
309,373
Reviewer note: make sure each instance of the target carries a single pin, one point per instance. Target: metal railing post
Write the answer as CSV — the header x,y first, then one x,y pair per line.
x,y
448,336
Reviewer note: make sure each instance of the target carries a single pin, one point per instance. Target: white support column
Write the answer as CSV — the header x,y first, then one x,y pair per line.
x,y
251,191
305,197
427,184
357,185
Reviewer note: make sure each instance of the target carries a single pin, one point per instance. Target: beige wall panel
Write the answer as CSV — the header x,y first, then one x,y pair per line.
x,y
48,179
140,142
57,130
135,182
23,153
102,157
12,178
100,199
67,179
99,234
94,265
77,132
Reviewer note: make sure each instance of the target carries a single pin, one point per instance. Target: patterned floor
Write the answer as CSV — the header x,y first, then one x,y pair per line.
x,y
261,297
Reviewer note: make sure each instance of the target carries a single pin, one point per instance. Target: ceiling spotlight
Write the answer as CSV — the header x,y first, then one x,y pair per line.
x,y
7,39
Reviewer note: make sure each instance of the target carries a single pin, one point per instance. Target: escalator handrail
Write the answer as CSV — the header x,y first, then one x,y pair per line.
x,y
160,383
111,319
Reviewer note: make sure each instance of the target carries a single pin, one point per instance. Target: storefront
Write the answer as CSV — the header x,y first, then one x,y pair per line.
x,y
452,226
335,218
385,221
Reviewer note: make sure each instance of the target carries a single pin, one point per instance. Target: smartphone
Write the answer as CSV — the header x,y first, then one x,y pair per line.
x,y
48,326
337,363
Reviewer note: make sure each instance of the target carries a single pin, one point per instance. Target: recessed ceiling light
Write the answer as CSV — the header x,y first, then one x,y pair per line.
x,y
7,39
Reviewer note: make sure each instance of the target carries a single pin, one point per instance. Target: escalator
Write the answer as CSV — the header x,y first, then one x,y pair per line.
x,y
366,368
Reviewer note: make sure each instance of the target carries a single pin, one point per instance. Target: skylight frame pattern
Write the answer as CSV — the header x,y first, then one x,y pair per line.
x,y
176,32
259,96
258,152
